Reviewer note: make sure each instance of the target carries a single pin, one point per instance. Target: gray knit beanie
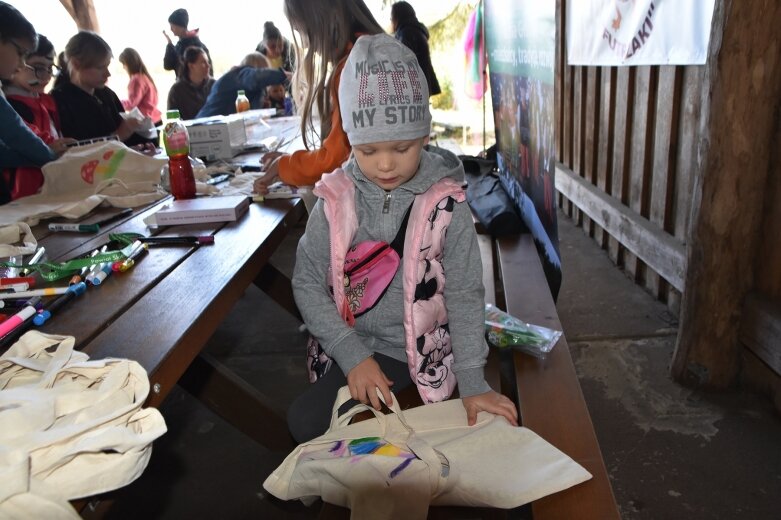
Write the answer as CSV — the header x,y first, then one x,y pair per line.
x,y
383,94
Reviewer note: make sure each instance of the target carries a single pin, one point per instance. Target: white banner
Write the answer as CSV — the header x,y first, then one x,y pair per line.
x,y
638,32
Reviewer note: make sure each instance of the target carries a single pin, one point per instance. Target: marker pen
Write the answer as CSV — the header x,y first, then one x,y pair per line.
x,y
101,275
81,228
17,303
16,287
34,260
73,291
49,291
29,280
190,241
18,319
138,248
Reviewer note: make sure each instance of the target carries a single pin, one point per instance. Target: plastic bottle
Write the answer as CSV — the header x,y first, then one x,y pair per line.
x,y
242,102
177,146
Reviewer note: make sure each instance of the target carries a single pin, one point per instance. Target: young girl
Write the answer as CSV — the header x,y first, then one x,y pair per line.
x,y
26,95
87,107
326,32
194,84
141,90
426,325
276,48
19,146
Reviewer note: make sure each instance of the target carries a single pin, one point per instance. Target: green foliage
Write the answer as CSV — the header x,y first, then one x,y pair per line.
x,y
448,31
444,100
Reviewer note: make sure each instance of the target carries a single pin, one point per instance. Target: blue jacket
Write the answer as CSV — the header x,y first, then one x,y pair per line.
x,y
253,81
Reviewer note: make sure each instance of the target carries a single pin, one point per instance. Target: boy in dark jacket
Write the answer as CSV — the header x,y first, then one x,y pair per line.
x,y
174,54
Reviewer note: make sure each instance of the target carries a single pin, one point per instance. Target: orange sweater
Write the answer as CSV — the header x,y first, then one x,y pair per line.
x,y
305,167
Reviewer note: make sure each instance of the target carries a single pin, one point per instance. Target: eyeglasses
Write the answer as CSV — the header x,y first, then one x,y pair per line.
x,y
41,71
21,51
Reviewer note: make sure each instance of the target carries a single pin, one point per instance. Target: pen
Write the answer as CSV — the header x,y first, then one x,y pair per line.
x,y
49,291
18,303
34,260
136,250
15,287
73,291
191,241
29,280
102,274
17,322
81,228
113,218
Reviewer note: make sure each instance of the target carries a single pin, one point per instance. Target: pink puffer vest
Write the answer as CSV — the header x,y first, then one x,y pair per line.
x,y
429,352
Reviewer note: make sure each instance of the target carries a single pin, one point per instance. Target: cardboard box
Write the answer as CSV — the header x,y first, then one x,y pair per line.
x,y
200,210
218,137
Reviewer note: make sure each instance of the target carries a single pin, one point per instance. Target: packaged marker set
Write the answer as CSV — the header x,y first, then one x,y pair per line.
x,y
505,331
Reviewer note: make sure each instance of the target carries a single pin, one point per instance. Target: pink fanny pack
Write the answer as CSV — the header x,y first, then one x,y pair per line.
x,y
369,268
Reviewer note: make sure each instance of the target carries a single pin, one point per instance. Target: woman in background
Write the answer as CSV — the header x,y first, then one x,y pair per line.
x,y
19,146
26,95
276,48
141,90
87,107
409,31
252,76
327,31
195,82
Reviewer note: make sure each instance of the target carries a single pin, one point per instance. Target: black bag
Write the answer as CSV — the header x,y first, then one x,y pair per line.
x,y
488,199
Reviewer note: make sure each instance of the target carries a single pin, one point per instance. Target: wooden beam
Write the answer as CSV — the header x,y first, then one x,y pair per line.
x,y
737,131
664,253
760,329
83,13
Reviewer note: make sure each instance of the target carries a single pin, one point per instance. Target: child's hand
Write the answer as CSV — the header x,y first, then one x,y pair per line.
x,y
492,402
364,378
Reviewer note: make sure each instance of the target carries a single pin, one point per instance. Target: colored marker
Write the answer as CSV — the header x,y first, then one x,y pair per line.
x,y
73,291
17,320
81,228
113,218
138,249
34,260
101,275
190,241
29,280
14,287
96,267
49,291
17,303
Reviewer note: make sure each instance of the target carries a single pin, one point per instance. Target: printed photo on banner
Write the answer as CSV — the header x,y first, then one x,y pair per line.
x,y
638,32
521,48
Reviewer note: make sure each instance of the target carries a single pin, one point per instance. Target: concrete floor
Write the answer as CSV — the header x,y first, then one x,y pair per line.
x,y
671,452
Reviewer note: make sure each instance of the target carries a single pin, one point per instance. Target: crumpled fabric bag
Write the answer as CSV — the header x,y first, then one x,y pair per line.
x,y
86,176
396,465
70,427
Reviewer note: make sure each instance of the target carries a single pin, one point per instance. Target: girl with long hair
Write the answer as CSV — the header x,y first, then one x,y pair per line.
x,y
141,89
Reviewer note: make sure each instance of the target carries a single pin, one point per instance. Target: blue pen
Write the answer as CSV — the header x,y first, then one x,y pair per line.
x,y
73,291
101,275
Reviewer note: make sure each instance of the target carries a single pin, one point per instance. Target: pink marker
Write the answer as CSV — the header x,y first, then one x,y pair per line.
x,y
20,317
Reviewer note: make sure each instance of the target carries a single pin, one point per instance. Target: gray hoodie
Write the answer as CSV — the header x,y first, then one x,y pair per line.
x,y
381,329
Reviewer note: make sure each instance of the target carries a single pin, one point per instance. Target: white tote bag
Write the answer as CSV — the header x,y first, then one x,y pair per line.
x,y
395,465
76,424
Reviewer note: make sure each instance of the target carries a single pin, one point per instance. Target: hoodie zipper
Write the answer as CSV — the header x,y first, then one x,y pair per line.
x,y
386,204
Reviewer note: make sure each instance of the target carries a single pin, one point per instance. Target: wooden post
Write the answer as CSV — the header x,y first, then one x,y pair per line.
x,y
83,13
740,101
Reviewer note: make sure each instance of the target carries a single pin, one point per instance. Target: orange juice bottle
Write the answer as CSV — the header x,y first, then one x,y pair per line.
x,y
242,102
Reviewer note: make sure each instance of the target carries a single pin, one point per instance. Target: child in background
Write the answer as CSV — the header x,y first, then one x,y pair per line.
x,y
19,146
428,321
275,97
326,31
26,95
252,76
141,90
88,108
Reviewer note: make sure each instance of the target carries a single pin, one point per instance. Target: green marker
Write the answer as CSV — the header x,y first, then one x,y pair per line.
x,y
81,228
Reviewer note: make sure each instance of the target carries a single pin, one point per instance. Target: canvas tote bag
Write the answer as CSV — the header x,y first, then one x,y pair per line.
x,y
395,465
106,172
76,424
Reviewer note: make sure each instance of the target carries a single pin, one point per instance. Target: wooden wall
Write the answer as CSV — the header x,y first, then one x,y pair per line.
x,y
626,140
